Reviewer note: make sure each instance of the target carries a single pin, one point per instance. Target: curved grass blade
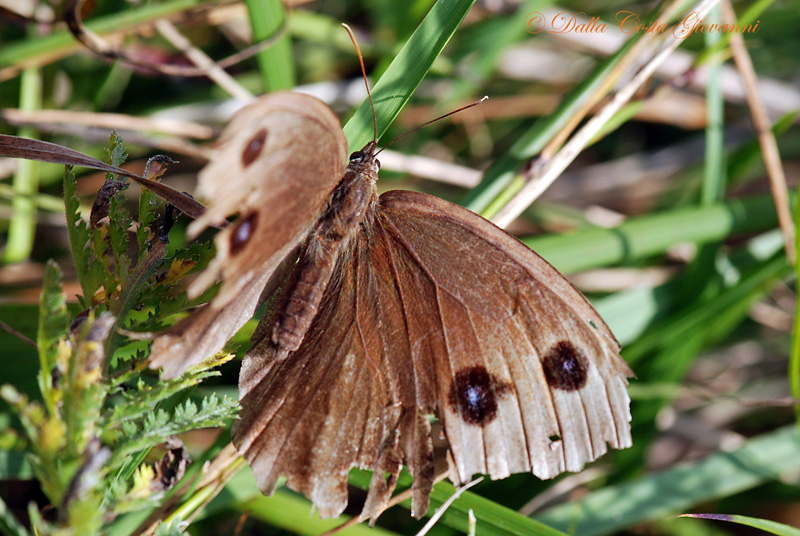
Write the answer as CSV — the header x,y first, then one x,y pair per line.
x,y
407,70
722,474
763,524
275,64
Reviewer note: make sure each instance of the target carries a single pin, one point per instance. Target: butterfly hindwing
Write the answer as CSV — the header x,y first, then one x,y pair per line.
x,y
433,310
529,371
314,413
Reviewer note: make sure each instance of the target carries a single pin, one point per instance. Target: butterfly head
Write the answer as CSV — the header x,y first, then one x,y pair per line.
x,y
364,160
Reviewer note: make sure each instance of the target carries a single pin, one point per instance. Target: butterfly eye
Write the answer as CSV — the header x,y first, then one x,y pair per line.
x,y
242,232
565,367
358,157
378,163
254,147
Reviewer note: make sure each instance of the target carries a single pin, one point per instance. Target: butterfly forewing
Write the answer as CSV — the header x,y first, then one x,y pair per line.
x,y
276,164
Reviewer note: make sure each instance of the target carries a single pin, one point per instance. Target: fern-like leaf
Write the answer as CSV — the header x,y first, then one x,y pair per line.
x,y
53,328
158,426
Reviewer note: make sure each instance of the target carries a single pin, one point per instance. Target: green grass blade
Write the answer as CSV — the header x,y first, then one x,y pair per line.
x,y
763,524
794,354
9,524
500,176
492,518
649,235
285,509
275,63
26,181
720,475
242,494
707,313
701,274
749,17
406,71
714,172
655,304
14,465
292,513
46,202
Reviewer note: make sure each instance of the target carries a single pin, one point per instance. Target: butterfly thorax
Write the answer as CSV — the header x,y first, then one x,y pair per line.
x,y
352,203
354,197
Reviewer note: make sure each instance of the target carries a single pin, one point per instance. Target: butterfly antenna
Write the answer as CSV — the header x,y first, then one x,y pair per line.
x,y
448,114
366,83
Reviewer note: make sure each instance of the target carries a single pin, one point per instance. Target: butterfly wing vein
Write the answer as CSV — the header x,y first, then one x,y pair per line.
x,y
433,310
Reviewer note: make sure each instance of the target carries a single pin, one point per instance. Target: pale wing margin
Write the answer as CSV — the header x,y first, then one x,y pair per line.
x,y
528,377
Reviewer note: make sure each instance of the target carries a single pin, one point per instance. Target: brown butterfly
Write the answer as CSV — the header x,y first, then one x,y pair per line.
x,y
381,311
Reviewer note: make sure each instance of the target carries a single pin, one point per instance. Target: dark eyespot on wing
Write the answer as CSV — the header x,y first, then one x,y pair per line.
x,y
474,395
242,232
565,367
254,147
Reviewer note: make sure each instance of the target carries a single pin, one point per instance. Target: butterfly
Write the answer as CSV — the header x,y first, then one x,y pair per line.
x,y
380,312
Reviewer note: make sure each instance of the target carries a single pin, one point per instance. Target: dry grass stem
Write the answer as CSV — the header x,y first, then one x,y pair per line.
x,y
761,122
201,59
430,168
107,120
443,508
552,168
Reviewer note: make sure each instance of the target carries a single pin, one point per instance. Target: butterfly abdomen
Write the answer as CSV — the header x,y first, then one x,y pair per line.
x,y
305,292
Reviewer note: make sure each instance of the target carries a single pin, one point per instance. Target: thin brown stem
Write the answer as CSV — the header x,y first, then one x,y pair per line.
x,y
95,43
763,127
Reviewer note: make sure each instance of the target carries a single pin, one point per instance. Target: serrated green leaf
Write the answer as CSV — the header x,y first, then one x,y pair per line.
x,y
117,155
158,426
78,233
139,402
119,221
53,328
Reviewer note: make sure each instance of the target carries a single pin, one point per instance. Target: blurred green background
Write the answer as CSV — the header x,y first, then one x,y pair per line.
x,y
666,221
